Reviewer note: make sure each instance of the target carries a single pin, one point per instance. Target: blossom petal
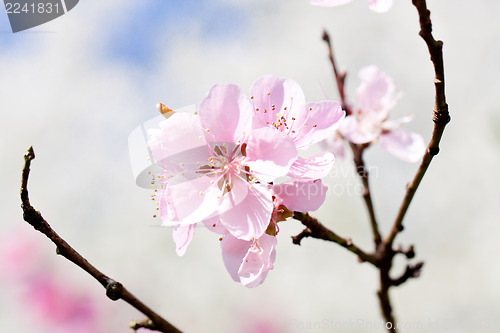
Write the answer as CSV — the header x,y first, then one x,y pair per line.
x,y
376,93
251,217
329,3
270,153
213,224
314,167
190,198
321,121
407,146
225,114
301,196
237,193
258,261
380,6
334,144
165,143
182,236
248,262
272,95
233,252
351,130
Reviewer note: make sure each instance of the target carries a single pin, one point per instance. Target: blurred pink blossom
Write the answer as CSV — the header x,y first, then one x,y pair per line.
x,y
376,96
49,302
61,307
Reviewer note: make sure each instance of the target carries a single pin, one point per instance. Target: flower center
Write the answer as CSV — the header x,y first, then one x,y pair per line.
x,y
226,164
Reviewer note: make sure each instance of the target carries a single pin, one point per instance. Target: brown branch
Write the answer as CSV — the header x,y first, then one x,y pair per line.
x,y
440,115
412,271
315,229
339,77
114,289
357,150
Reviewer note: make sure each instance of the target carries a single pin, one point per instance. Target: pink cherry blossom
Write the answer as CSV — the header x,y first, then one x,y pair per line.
x,y
182,236
300,195
48,302
219,164
61,308
280,104
379,6
376,97
249,262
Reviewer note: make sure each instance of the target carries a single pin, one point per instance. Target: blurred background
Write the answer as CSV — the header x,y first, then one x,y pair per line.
x,y
75,88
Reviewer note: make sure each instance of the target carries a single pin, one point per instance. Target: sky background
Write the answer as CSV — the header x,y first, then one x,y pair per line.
x,y
75,88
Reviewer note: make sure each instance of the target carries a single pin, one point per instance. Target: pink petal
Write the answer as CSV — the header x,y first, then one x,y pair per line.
x,y
258,261
230,199
251,217
376,93
313,167
380,6
233,252
408,146
301,196
213,224
190,198
329,3
355,133
166,142
182,236
248,262
322,119
270,153
271,95
225,114
390,125
334,144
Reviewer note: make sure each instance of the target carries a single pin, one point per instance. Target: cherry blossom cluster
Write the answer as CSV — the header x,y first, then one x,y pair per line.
x,y
369,122
235,167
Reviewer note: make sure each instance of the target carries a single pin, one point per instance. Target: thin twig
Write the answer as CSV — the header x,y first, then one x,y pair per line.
x,y
315,229
339,77
114,289
440,115
357,150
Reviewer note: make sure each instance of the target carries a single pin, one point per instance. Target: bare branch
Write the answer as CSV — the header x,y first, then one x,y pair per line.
x,y
412,271
316,230
357,150
440,116
114,289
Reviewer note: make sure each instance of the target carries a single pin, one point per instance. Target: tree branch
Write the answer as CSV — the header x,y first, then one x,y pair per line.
x,y
440,115
114,289
357,150
315,229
